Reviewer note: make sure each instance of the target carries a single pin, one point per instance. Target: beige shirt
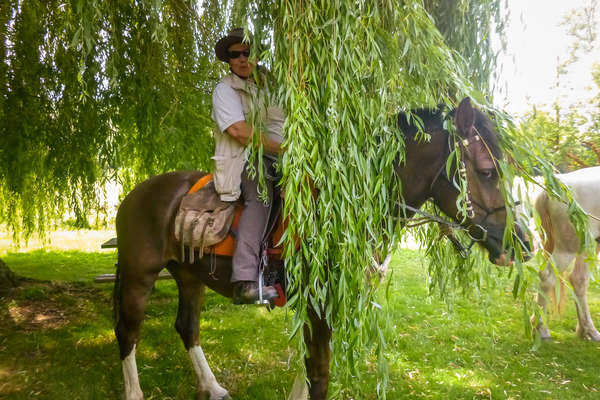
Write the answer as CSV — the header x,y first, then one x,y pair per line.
x,y
233,99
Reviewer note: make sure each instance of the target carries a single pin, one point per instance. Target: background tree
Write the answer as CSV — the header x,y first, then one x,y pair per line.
x,y
95,90
583,26
570,143
571,136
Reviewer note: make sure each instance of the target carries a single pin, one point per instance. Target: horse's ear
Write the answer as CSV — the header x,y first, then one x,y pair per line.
x,y
465,117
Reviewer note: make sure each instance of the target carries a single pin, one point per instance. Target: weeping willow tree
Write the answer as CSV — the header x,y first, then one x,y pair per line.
x,y
344,69
94,90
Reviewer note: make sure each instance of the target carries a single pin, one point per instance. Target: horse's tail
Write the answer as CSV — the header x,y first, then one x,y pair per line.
x,y
116,294
542,205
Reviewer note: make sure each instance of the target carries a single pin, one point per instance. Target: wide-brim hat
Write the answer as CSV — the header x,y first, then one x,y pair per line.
x,y
234,36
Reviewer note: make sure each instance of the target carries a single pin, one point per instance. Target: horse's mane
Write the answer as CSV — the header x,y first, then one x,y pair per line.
x,y
423,119
486,129
430,120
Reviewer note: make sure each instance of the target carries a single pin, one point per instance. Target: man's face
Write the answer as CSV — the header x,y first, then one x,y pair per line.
x,y
240,64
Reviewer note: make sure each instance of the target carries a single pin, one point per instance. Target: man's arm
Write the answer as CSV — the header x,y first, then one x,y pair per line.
x,y
241,132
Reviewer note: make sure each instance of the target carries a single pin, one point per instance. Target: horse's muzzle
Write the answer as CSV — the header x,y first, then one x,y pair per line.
x,y
498,255
503,261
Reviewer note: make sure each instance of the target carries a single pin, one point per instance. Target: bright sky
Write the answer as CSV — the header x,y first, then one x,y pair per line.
x,y
535,42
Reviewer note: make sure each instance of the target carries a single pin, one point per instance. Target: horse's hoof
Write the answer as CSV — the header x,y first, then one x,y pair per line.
x,y
213,396
222,396
594,336
544,333
225,396
136,395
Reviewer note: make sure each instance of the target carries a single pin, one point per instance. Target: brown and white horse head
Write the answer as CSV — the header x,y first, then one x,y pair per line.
x,y
486,208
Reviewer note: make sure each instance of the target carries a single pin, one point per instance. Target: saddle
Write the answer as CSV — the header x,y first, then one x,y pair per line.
x,y
205,224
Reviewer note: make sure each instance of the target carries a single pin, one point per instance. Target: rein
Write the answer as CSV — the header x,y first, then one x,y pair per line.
x,y
447,229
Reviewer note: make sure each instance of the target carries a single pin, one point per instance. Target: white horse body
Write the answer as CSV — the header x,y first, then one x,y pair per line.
x,y
561,243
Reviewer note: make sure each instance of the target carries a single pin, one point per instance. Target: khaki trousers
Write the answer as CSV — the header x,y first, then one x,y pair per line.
x,y
252,224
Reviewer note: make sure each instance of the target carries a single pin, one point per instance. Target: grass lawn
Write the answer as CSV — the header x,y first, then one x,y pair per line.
x,y
57,342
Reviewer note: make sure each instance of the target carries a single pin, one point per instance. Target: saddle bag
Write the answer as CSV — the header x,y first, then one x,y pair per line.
x,y
202,220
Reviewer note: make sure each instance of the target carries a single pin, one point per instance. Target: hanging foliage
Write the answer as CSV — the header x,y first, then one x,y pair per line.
x,y
468,27
342,85
92,90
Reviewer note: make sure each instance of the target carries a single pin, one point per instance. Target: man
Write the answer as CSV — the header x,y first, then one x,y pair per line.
x,y
235,97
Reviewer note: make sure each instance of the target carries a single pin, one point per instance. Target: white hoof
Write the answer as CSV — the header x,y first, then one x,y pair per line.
x,y
208,387
217,393
134,396
541,328
590,334
544,333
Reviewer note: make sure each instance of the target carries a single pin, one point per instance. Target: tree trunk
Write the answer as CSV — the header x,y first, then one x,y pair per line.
x,y
8,279
577,160
595,148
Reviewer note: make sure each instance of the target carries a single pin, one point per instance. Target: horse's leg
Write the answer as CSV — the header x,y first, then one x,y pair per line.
x,y
299,389
580,280
133,291
319,353
191,296
548,280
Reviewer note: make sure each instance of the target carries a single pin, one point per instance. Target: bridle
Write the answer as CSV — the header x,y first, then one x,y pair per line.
x,y
449,226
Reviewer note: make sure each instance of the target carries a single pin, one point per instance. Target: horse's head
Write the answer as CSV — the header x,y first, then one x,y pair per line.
x,y
486,219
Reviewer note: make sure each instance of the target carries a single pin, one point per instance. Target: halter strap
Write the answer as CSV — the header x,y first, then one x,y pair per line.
x,y
466,143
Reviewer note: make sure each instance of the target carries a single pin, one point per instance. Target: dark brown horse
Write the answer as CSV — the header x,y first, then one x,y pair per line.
x,y
146,241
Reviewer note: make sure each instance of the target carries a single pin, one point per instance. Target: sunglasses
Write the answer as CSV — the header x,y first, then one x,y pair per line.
x,y
237,53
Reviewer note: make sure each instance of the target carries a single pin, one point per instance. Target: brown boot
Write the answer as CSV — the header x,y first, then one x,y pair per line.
x,y
246,292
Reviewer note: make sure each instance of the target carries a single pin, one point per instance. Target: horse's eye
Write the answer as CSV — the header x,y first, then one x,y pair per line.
x,y
488,173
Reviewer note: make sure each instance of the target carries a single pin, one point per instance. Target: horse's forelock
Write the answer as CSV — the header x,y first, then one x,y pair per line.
x,y
486,129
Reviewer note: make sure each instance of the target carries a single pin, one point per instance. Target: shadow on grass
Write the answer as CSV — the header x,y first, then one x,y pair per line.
x,y
61,344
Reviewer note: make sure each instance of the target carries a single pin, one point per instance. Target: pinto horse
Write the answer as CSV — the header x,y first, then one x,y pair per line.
x,y
146,243
562,244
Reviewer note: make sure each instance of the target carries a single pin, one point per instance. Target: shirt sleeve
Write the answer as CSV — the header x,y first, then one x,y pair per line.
x,y
227,106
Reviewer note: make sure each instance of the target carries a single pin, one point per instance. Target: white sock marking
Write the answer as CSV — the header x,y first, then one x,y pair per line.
x,y
133,391
206,379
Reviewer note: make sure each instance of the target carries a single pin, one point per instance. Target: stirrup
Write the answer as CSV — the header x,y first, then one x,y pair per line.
x,y
261,302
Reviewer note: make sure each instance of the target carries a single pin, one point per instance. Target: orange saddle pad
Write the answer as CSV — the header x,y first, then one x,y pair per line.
x,y
226,247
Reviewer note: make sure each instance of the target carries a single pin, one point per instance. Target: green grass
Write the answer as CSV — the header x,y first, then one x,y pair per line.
x,y
479,349
63,266
56,342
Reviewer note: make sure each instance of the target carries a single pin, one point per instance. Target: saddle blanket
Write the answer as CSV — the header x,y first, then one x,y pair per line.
x,y
226,247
